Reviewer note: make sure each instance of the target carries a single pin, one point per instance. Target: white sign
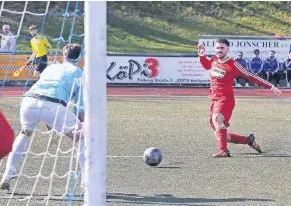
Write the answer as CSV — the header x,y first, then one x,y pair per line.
x,y
156,70
247,46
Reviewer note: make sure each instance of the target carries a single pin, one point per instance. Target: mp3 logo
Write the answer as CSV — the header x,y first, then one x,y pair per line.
x,y
150,68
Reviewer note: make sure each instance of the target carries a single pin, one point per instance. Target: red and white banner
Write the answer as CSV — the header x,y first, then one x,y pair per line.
x,y
156,70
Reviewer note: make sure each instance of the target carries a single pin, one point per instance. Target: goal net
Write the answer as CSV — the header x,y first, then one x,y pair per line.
x,y
48,172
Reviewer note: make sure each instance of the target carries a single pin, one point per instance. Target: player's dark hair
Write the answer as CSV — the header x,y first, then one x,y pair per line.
x,y
256,50
72,51
32,26
223,41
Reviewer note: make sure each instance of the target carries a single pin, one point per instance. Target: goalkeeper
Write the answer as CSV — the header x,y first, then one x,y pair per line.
x,y
46,102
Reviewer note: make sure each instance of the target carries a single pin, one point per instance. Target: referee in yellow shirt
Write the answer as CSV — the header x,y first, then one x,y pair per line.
x,y
40,49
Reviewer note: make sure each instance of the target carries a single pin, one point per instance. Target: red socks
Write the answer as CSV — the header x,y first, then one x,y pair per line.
x,y
221,136
238,139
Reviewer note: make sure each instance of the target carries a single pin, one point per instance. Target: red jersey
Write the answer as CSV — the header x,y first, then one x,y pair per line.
x,y
223,74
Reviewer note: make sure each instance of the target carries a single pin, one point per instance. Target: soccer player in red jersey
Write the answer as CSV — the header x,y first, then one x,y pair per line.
x,y
6,137
223,71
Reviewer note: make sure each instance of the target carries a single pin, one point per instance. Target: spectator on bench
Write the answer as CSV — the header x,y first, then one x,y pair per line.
x,y
287,65
256,64
242,62
271,68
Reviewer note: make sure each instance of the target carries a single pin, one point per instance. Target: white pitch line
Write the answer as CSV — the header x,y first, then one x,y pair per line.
x,y
195,96
178,96
129,156
170,156
110,156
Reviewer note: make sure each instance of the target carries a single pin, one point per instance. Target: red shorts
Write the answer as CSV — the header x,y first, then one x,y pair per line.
x,y
6,137
225,107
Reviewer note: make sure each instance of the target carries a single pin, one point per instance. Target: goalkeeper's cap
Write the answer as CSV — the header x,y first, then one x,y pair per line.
x,y
31,27
72,52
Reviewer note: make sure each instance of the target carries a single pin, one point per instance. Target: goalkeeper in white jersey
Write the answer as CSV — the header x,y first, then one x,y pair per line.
x,y
46,102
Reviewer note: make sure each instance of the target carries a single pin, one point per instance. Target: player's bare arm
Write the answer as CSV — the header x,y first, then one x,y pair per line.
x,y
31,58
201,50
276,90
206,63
50,49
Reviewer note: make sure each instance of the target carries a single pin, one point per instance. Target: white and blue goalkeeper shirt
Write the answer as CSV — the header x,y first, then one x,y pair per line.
x,y
63,82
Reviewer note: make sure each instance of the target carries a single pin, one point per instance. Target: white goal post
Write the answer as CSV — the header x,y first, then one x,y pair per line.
x,y
95,103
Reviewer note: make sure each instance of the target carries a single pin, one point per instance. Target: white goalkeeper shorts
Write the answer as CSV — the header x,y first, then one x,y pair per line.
x,y
33,111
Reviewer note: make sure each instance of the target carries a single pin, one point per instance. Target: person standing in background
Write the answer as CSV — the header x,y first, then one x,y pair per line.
x,y
8,40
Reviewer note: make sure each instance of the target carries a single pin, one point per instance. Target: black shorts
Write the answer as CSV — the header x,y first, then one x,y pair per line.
x,y
41,63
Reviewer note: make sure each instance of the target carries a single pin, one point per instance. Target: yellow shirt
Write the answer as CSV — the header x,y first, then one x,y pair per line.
x,y
39,45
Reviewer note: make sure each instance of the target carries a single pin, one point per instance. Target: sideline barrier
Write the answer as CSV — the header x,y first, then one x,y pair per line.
x,y
11,63
127,69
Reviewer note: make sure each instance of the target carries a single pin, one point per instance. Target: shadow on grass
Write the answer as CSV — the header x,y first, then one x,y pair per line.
x,y
264,15
162,199
278,21
167,167
148,32
266,155
165,199
131,47
200,27
239,25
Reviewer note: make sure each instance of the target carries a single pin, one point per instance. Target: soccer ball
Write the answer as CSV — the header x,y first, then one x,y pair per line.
x,y
152,156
